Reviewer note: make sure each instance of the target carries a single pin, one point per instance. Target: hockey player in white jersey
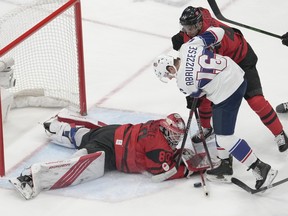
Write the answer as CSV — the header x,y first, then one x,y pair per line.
x,y
200,72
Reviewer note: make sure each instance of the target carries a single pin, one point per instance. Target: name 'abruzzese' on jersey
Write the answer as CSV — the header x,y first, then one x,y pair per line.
x,y
202,72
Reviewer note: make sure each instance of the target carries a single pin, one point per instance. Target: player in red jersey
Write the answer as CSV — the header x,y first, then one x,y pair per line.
x,y
130,148
195,21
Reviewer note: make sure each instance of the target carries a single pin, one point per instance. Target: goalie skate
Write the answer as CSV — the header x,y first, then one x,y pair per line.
x,y
23,188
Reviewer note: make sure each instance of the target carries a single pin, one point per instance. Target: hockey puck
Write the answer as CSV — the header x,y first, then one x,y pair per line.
x,y
197,184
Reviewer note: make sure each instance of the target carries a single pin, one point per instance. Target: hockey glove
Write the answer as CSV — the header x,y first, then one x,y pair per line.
x,y
186,154
284,39
190,100
178,40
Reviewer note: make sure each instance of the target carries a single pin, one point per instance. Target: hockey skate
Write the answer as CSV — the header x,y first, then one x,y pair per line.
x,y
222,173
61,133
47,124
282,141
263,173
282,108
52,126
208,135
24,185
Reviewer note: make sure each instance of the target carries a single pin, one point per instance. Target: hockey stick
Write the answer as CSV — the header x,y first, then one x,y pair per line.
x,y
204,183
254,191
192,110
206,150
219,16
203,138
166,175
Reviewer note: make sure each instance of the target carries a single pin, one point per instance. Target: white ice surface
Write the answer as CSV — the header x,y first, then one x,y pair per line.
x,y
121,39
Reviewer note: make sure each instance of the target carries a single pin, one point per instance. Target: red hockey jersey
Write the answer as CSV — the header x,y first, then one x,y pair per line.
x,y
143,147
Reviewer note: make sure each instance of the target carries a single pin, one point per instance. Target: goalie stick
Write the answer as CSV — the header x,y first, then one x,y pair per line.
x,y
203,137
219,16
206,192
254,191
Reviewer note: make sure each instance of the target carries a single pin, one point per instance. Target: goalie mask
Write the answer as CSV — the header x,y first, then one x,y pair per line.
x,y
160,66
173,128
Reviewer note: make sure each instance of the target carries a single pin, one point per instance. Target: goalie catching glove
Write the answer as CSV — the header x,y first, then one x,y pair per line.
x,y
187,155
190,100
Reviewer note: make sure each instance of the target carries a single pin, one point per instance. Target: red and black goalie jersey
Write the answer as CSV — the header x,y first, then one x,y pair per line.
x,y
143,147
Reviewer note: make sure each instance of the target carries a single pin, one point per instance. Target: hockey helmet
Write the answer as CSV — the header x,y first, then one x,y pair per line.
x,y
173,128
190,16
160,65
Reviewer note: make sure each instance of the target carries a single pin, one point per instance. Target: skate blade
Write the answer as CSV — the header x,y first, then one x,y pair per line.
x,y
271,176
26,192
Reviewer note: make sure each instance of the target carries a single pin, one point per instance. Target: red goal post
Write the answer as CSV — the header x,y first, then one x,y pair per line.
x,y
44,37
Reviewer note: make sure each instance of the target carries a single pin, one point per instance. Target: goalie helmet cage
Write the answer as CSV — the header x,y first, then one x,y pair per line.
x,y
44,37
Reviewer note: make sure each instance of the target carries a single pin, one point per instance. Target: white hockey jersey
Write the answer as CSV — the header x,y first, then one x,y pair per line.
x,y
203,72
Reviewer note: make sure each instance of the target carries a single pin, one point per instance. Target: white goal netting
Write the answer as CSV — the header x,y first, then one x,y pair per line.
x,y
42,38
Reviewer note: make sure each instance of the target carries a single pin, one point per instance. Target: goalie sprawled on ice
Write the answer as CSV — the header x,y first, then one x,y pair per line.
x,y
130,148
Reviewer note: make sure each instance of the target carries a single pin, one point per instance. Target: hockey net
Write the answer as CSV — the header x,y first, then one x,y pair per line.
x,y
44,37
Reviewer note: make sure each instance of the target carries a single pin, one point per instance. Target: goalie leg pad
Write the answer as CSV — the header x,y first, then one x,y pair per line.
x,y
60,174
68,116
62,132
